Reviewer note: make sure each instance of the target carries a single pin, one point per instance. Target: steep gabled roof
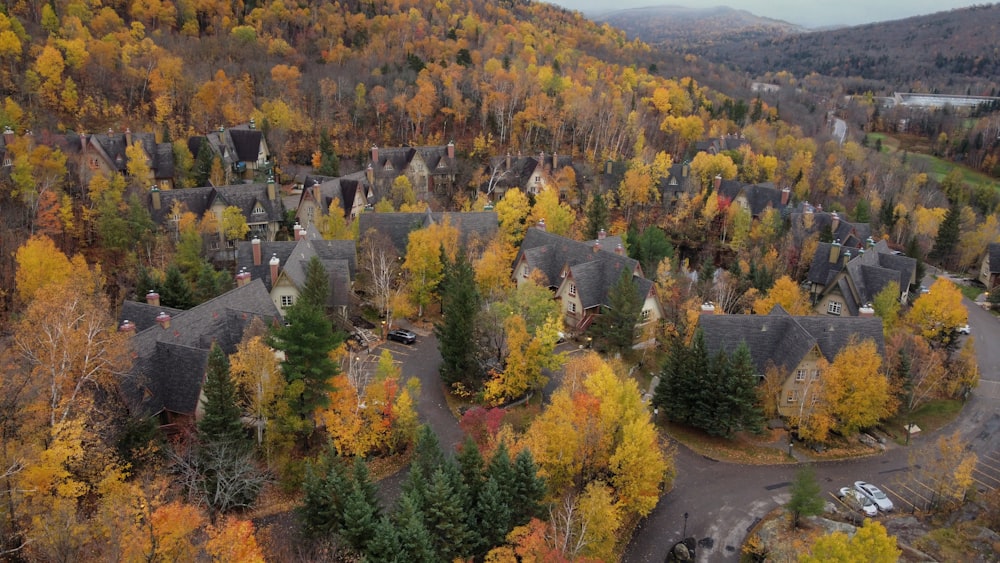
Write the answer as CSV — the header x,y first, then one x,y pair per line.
x,y
143,315
200,200
324,189
548,253
784,340
246,143
993,251
169,366
397,227
244,258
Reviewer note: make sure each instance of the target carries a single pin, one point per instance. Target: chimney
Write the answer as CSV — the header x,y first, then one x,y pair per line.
x,y
255,243
685,170
835,251
153,298
451,150
602,234
274,268
555,161
155,191
508,160
253,124
374,155
847,255
717,182
296,228
834,221
242,278
8,135
870,242
819,208
83,140
128,136
301,234
609,167
786,195
163,319
541,224
272,193
707,308
619,249
127,326
597,246
370,174
866,311
110,131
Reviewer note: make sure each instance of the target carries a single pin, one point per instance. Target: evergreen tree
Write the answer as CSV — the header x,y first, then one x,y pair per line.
x,y
459,305
914,251
203,164
741,389
470,465
887,214
427,454
445,518
807,497
221,420
385,545
361,513
669,393
947,235
414,538
862,211
176,291
711,410
323,490
307,337
597,216
493,512
501,470
145,282
529,489
616,324
826,233
209,283
329,163
316,290
649,247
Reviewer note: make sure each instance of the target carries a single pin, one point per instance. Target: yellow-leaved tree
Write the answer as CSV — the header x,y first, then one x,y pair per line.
x,y
558,216
512,212
786,293
40,263
423,265
936,314
527,355
947,471
854,393
870,544
256,371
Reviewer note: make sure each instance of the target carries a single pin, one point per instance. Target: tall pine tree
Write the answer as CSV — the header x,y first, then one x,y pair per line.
x,y
460,306
316,289
597,216
307,337
221,421
947,236
616,324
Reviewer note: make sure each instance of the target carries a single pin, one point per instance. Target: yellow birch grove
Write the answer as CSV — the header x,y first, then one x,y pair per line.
x,y
786,293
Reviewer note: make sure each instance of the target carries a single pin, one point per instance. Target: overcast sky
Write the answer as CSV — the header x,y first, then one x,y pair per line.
x,y
810,13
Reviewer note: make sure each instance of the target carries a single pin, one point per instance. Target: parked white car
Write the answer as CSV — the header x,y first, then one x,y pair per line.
x,y
964,329
875,494
855,499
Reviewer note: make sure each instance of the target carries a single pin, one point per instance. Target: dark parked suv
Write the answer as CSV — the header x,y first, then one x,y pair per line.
x,y
402,335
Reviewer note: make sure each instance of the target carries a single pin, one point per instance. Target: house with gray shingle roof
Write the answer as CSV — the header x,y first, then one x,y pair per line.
x,y
242,149
170,357
755,198
581,274
319,192
430,169
989,269
806,220
260,204
281,266
792,345
843,280
474,227
531,174
105,152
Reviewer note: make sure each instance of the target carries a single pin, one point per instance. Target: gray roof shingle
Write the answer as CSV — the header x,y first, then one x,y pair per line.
x,y
479,225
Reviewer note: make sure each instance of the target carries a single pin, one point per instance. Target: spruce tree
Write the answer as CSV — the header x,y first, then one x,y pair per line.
x,y
384,545
329,163
427,455
221,421
176,291
597,216
209,284
669,392
445,518
322,510
712,411
493,511
203,164
742,389
501,470
460,303
947,235
316,289
807,497
360,509
307,339
414,538
529,489
470,465
616,324
649,247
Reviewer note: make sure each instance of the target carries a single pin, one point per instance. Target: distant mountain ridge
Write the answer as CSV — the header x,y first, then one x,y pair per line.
x,y
678,25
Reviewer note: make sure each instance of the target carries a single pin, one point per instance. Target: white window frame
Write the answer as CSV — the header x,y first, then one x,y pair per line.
x,y
258,209
524,271
815,374
572,306
572,289
645,314
287,301
800,374
834,308
792,396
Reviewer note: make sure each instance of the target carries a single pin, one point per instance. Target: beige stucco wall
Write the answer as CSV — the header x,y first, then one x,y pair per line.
x,y
283,288
803,390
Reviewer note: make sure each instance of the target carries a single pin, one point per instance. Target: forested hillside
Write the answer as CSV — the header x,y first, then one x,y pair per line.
x,y
690,28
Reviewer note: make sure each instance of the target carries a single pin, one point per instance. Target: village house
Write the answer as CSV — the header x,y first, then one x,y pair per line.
x,y
531,174
989,268
260,205
475,228
755,198
281,266
242,149
842,281
319,192
807,220
792,345
431,170
581,274
170,348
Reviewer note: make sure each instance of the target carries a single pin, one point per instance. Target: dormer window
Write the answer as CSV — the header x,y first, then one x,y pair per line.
x,y
538,179
645,314
524,271
834,307
258,208
388,166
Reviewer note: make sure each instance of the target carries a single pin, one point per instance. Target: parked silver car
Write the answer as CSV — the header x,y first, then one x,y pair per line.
x,y
876,495
856,500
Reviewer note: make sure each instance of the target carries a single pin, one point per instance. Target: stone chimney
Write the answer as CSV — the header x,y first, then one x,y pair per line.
x,y
451,150
255,243
866,311
128,136
609,167
296,228
153,298
507,163
127,326
155,192
847,255
619,249
274,263
708,308
253,124
163,319
370,174
555,161
83,141
835,251
375,155
541,224
786,195
272,191
717,182
242,278
602,234
685,170
597,246
834,221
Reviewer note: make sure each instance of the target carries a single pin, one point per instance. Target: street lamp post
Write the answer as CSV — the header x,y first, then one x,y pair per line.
x,y
685,532
790,444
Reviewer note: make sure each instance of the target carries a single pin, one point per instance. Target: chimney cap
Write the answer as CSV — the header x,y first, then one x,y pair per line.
x,y
274,260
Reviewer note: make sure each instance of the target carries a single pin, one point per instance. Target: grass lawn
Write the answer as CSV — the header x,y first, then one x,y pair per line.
x,y
743,448
928,417
918,149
